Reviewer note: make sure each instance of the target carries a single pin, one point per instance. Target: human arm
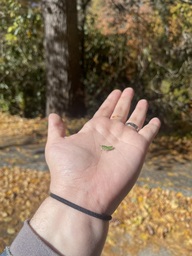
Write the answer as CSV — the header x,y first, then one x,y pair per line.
x,y
91,177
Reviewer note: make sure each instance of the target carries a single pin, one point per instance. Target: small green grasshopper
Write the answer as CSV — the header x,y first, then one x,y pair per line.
x,y
107,148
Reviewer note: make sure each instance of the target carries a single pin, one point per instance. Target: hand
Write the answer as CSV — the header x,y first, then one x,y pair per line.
x,y
82,172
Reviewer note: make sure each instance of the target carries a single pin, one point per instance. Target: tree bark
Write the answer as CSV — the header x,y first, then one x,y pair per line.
x,y
65,93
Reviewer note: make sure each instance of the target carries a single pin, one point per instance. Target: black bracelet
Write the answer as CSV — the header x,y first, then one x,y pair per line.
x,y
81,209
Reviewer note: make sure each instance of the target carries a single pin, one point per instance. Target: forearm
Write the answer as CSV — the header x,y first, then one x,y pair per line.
x,y
68,230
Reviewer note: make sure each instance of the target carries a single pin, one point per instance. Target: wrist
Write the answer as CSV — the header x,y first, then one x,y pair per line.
x,y
103,217
69,231
81,193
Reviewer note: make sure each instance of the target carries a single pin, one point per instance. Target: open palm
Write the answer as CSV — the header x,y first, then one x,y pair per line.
x,y
90,175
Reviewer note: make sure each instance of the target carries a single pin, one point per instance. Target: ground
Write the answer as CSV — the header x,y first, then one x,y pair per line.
x,y
154,219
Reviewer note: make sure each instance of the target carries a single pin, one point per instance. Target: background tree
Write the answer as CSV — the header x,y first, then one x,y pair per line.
x,y
65,92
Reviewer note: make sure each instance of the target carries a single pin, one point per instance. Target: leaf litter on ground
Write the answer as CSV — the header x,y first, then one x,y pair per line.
x,y
145,215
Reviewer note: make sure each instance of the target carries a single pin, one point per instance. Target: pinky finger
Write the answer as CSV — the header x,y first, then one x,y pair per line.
x,y
150,130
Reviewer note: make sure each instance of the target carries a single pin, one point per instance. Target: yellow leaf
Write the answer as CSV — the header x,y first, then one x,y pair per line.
x,y
11,231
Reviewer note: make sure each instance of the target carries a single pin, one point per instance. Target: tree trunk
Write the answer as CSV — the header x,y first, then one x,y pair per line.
x,y
65,93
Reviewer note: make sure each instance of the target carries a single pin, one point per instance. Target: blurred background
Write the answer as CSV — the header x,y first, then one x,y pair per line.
x,y
105,45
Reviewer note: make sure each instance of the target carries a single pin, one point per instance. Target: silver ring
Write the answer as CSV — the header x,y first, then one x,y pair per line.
x,y
134,126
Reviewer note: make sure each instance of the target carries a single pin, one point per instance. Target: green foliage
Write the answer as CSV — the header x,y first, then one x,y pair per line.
x,y
147,47
105,63
21,59
144,46
170,66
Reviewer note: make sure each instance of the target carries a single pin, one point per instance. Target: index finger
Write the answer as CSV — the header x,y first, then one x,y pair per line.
x,y
106,109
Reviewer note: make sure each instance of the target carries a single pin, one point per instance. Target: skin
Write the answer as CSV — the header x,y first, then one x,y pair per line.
x,y
86,175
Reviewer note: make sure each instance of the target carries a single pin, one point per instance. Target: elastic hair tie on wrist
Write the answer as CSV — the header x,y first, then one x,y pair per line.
x,y
81,209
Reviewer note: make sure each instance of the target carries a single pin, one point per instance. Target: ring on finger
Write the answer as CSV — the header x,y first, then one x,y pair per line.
x,y
133,125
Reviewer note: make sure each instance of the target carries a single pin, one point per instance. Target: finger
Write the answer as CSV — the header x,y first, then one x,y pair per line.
x,y
109,104
139,114
150,130
123,105
55,127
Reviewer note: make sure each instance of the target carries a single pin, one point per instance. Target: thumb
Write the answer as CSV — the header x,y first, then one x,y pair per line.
x,y
56,127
